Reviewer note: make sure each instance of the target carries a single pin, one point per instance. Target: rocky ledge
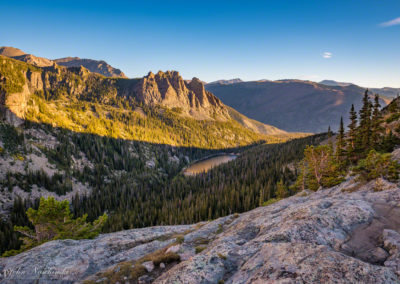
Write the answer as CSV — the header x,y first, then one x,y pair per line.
x,y
345,234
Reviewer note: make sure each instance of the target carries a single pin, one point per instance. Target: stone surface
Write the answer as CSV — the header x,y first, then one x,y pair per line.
x,y
79,259
149,265
307,238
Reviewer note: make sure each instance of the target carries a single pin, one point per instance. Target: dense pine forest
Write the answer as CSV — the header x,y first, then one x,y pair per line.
x,y
136,194
237,186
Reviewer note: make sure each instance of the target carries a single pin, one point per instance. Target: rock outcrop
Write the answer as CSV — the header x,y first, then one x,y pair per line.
x,y
96,66
345,234
170,90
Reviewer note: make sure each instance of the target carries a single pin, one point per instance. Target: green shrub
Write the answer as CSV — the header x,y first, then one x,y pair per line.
x,y
52,221
180,239
270,201
199,249
220,229
222,256
319,169
377,165
393,117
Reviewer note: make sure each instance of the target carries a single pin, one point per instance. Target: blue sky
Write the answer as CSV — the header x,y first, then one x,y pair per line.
x,y
315,39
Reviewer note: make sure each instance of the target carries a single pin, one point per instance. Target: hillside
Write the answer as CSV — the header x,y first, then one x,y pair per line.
x,y
78,100
96,66
291,105
337,235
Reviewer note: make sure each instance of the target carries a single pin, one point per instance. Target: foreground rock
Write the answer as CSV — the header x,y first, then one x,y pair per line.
x,y
345,234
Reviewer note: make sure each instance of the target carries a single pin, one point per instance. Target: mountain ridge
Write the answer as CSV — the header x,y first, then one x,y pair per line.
x,y
278,102
49,86
96,66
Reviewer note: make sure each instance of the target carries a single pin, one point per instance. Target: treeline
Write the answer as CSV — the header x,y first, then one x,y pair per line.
x,y
9,239
238,186
363,150
366,132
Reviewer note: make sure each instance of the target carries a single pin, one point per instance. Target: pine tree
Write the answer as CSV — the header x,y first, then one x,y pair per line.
x,y
351,140
281,190
322,169
375,128
363,141
341,144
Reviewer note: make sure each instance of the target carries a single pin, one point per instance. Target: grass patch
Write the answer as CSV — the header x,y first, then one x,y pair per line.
x,y
199,249
130,271
222,256
201,241
271,201
180,239
160,256
220,229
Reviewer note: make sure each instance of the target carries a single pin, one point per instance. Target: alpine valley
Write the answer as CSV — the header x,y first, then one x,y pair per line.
x,y
93,183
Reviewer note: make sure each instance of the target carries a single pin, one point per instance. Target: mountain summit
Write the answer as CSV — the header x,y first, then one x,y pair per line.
x,y
96,66
170,90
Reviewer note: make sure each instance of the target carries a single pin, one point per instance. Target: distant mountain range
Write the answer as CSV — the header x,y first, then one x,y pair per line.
x,y
292,105
96,66
226,82
387,92
335,83
158,108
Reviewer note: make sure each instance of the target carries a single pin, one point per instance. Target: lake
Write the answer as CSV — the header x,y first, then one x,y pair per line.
x,y
206,164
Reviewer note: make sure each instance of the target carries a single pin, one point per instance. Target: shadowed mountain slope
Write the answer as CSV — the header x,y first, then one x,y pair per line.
x,y
292,105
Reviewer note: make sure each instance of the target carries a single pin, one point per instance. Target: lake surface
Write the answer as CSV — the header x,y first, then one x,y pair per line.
x,y
206,164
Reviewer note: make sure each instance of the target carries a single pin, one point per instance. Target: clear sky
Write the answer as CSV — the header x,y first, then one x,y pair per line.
x,y
346,40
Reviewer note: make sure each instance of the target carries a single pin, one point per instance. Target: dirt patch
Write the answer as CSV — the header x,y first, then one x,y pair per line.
x,y
366,241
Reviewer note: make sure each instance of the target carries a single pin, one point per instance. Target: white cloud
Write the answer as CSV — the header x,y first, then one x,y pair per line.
x,y
393,22
327,55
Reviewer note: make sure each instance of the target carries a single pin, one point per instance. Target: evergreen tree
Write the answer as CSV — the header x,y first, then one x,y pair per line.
x,y
281,190
53,220
363,141
352,135
341,144
322,170
375,123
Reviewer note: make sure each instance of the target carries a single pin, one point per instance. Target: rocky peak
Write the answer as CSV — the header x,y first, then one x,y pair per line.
x,y
170,90
197,86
